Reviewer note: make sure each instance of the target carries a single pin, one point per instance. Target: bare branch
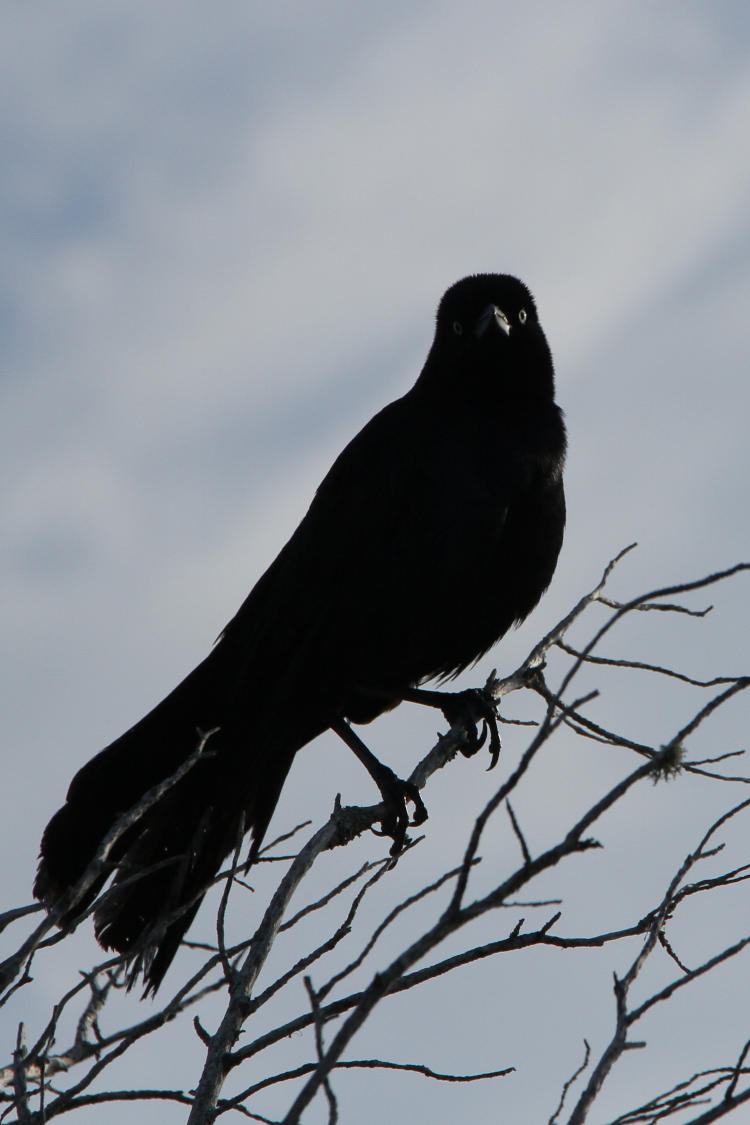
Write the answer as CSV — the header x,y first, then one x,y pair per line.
x,y
427,922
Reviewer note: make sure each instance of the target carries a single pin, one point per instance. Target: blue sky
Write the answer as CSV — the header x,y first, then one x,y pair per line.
x,y
225,230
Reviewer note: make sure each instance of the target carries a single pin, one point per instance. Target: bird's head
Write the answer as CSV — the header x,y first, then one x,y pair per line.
x,y
488,333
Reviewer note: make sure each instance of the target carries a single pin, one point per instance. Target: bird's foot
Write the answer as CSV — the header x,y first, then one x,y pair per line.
x,y
475,709
395,793
393,789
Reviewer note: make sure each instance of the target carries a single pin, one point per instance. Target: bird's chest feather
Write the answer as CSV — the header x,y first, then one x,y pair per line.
x,y
482,489
490,513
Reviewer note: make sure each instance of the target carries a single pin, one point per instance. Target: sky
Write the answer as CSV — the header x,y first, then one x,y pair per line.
x,y
225,231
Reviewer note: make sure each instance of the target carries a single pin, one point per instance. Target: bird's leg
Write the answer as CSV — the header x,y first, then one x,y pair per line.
x,y
470,707
394,790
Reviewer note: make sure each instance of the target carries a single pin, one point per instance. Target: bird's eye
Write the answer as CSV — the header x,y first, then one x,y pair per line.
x,y
522,316
458,327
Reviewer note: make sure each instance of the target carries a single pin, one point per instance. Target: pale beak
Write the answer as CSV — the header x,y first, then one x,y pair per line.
x,y
492,312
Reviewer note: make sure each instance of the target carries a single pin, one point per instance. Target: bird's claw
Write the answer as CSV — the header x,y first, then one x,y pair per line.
x,y
396,792
472,708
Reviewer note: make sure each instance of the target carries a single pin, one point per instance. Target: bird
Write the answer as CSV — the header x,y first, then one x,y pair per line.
x,y
436,530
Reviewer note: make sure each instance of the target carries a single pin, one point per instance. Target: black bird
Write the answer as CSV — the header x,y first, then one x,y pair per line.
x,y
436,529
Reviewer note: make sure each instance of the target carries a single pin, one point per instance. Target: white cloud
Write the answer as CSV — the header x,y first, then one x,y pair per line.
x,y
226,231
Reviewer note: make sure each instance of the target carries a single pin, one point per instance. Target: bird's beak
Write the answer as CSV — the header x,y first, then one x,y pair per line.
x,y
492,312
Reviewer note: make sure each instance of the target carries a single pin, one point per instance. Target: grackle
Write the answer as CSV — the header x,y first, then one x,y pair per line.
x,y
436,529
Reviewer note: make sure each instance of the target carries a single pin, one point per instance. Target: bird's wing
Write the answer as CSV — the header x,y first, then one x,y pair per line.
x,y
367,585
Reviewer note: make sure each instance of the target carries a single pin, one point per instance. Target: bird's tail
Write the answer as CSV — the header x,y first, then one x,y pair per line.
x,y
165,860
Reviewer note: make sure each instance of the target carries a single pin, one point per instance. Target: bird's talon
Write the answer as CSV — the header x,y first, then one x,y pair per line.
x,y
482,738
473,707
420,812
395,823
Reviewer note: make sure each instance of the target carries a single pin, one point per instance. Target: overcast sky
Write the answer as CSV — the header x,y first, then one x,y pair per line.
x,y
225,230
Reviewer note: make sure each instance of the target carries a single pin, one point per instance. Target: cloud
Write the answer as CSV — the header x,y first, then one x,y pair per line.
x,y
225,232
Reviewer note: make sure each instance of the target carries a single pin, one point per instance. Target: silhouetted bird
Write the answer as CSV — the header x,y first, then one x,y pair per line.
x,y
436,529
